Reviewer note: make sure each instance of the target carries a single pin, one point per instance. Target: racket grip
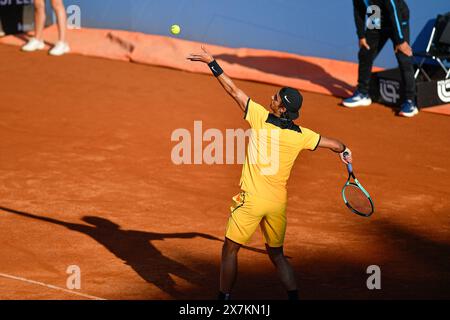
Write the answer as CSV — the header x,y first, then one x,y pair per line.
x,y
349,168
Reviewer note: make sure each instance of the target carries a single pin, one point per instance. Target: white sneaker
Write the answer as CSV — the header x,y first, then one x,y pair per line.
x,y
33,45
59,49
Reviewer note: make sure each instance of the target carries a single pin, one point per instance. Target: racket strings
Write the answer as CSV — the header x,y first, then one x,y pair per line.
x,y
357,199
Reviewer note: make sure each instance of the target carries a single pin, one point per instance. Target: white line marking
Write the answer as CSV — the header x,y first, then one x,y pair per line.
x,y
50,286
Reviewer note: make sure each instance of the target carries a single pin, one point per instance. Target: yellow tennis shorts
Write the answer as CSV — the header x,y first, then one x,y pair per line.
x,y
248,211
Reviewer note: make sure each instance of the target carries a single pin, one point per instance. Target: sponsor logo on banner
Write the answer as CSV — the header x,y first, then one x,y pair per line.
x,y
15,2
443,89
389,90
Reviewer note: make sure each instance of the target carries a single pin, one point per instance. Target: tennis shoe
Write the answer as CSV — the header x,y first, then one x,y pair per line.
x,y
59,49
33,45
408,109
358,99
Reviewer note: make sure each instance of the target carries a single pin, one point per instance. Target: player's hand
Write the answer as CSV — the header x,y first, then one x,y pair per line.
x,y
346,156
404,48
204,56
363,43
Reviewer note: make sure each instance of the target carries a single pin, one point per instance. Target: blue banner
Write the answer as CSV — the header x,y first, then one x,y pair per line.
x,y
321,28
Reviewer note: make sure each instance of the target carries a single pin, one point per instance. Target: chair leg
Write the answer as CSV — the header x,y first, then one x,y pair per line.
x,y
447,71
419,68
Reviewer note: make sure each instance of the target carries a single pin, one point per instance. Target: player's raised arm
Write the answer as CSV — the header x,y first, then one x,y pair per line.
x,y
338,147
238,95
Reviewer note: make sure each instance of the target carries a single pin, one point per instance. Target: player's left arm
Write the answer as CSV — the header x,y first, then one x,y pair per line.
x,y
237,94
336,146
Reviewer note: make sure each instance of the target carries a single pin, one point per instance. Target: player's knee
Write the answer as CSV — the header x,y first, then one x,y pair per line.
x,y
230,247
275,253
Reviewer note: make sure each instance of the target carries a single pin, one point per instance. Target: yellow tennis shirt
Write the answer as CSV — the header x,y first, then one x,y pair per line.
x,y
271,153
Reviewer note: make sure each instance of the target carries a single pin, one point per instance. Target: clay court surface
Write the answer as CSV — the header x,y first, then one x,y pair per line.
x,y
87,179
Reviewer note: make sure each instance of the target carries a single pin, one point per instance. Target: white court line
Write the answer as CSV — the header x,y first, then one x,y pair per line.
x,y
50,286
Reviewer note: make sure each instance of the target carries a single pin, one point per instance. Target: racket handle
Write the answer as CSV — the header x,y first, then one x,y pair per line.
x,y
349,168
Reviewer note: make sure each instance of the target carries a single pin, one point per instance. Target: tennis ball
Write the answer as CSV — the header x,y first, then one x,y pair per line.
x,y
175,29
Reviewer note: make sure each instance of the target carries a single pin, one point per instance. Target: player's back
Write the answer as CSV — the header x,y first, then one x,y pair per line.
x,y
271,153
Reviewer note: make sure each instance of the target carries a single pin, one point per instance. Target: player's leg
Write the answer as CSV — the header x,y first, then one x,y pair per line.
x,y
37,43
406,65
242,223
61,16
228,268
407,69
376,41
39,18
61,47
284,270
273,228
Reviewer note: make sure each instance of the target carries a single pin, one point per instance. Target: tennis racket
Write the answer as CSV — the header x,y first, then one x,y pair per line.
x,y
356,198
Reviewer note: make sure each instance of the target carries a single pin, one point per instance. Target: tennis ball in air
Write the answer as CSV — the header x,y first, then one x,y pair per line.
x,y
175,29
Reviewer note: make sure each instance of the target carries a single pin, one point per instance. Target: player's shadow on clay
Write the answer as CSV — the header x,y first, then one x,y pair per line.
x,y
293,68
135,248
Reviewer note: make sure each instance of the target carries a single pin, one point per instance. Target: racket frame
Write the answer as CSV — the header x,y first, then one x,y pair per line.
x,y
358,185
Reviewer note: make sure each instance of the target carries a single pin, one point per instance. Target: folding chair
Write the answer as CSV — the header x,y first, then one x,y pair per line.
x,y
438,47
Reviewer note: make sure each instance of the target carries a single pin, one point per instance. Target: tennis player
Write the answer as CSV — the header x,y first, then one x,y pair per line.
x,y
37,42
263,197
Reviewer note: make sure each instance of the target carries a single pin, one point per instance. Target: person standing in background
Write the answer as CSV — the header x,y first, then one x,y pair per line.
x,y
37,42
393,24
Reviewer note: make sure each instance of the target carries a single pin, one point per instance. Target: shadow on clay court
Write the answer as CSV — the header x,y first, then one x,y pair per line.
x,y
425,259
136,250
26,38
293,68
413,265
